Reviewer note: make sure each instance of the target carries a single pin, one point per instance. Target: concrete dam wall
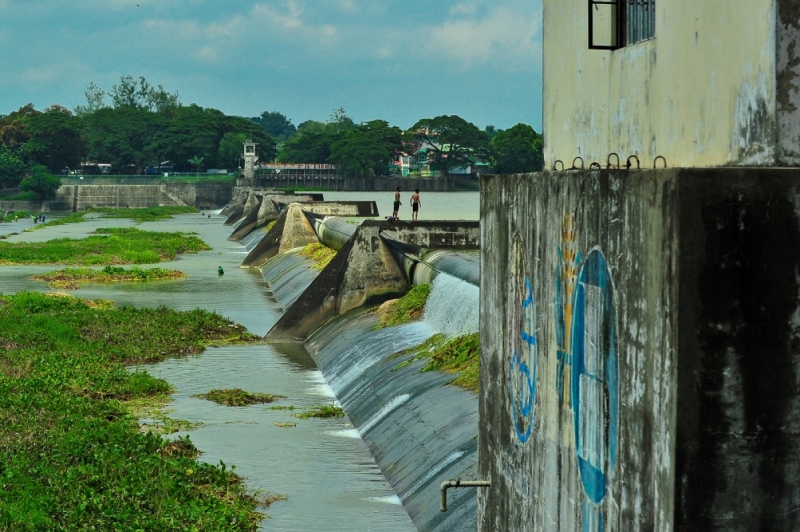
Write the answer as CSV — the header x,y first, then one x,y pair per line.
x,y
639,350
420,430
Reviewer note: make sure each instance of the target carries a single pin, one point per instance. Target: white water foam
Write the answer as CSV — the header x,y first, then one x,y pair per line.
x,y
393,499
380,414
453,306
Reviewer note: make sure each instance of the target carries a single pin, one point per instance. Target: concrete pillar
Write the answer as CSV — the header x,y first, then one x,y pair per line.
x,y
640,360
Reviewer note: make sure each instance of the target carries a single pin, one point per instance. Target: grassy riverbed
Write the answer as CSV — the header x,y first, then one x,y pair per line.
x,y
106,246
72,456
71,278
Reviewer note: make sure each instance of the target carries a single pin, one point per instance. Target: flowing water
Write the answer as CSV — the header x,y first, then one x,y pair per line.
x,y
323,466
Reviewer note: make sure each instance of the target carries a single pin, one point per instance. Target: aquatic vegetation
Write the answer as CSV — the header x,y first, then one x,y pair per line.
x,y
72,456
106,246
285,424
69,278
238,397
322,412
408,308
321,254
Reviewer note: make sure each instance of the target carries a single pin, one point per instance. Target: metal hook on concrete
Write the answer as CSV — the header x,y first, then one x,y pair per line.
x,y
628,162
458,483
608,159
556,162
573,163
656,160
595,164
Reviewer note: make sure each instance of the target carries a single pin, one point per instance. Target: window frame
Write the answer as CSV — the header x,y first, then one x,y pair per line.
x,y
635,22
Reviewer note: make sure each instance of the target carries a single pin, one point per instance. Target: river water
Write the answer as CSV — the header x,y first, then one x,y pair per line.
x,y
321,465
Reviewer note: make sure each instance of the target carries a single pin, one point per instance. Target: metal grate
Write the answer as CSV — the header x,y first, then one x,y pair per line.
x,y
640,21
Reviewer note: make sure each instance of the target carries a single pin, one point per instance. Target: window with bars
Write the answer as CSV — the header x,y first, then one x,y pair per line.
x,y
617,23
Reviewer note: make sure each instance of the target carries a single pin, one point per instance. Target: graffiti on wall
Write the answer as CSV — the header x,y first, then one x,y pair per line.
x,y
594,391
522,340
587,366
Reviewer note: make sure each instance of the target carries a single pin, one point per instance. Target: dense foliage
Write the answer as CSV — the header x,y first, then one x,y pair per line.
x,y
138,128
72,457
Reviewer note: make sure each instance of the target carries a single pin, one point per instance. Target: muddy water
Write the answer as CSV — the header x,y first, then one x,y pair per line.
x,y
322,466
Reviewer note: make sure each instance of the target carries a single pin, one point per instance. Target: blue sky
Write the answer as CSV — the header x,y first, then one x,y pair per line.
x,y
397,60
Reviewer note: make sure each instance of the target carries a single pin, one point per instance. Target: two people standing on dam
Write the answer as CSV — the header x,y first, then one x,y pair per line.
x,y
415,205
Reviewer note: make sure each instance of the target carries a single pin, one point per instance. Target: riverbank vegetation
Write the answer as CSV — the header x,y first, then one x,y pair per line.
x,y
136,128
107,246
71,278
321,254
138,215
72,456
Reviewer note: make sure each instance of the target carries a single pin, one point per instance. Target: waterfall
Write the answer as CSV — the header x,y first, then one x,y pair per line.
x,y
453,306
420,430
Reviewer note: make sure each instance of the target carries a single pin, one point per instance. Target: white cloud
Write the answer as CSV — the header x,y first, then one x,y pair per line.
x,y
464,9
502,36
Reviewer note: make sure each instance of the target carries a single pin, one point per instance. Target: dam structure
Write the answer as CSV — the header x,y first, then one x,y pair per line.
x,y
420,430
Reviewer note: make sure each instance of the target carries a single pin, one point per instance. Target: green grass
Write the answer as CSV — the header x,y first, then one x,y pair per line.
x,y
459,355
408,308
321,254
106,246
322,412
71,278
15,215
72,456
238,397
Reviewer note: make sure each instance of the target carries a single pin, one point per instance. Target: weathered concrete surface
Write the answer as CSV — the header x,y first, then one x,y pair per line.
x,y
81,197
435,233
251,201
639,337
687,95
363,270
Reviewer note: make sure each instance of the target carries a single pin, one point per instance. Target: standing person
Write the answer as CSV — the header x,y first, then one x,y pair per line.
x,y
397,203
415,205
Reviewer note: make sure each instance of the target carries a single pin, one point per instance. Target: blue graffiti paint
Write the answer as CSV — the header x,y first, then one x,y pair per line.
x,y
594,388
522,374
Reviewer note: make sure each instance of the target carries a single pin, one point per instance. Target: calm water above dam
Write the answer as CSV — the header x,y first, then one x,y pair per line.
x,y
322,466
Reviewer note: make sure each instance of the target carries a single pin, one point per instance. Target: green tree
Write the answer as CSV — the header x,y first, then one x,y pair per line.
x,y
517,150
41,182
12,169
13,128
357,150
308,146
276,125
451,141
56,139
230,150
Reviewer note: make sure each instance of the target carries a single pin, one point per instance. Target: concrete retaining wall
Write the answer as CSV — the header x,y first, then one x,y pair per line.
x,y
639,337
76,198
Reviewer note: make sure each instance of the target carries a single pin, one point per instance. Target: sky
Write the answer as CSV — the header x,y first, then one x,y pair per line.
x,y
395,60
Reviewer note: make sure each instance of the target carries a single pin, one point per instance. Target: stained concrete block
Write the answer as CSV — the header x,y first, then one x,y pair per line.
x,y
639,337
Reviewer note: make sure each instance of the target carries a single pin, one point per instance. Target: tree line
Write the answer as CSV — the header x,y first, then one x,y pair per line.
x,y
135,126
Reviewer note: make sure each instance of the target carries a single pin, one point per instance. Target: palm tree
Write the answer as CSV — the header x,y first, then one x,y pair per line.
x,y
196,162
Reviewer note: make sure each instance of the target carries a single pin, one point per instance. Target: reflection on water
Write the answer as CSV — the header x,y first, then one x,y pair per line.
x,y
329,477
